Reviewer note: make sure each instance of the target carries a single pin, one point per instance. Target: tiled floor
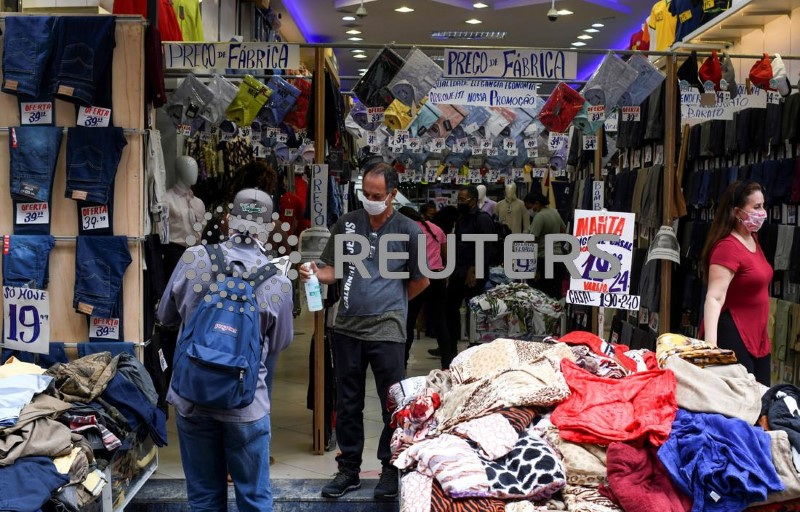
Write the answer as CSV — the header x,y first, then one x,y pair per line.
x,y
291,421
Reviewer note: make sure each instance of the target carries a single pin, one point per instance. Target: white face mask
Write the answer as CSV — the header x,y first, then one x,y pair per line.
x,y
373,208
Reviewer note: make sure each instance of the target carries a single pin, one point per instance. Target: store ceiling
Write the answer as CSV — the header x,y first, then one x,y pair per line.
x,y
524,21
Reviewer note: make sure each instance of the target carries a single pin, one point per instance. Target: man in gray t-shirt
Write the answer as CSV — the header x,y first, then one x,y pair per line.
x,y
370,323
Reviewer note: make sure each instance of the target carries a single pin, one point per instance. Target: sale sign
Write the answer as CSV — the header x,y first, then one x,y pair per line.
x,y
26,314
589,223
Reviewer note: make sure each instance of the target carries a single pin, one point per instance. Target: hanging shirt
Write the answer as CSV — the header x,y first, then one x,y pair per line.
x,y
664,23
689,14
190,22
748,293
167,23
640,40
712,8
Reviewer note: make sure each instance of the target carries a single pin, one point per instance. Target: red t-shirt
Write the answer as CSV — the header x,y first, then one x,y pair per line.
x,y
748,294
639,41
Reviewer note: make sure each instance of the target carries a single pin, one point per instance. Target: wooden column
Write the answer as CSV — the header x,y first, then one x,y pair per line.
x,y
670,105
319,316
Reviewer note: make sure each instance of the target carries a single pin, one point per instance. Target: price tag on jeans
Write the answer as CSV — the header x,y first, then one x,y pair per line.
x,y
538,172
33,213
282,137
375,115
26,325
439,144
477,149
94,217
589,142
612,122
461,145
559,173
246,132
474,175
206,136
104,328
36,113
637,159
533,152
516,173
492,151
632,114
597,113
184,129
648,154
402,137
94,117
486,145
531,143
509,143
773,98
556,141
512,151
272,132
414,145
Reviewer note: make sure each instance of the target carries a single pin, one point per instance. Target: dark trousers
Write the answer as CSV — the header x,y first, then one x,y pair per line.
x,y
350,359
728,337
457,293
433,300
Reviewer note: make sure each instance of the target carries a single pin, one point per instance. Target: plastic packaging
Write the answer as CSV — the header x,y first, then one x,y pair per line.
x,y
313,291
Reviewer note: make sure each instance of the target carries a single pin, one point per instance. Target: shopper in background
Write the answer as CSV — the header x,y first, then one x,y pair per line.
x,y
446,218
215,441
370,327
434,296
464,284
428,210
738,276
546,221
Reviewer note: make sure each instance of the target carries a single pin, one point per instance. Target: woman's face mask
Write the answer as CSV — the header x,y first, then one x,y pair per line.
x,y
754,220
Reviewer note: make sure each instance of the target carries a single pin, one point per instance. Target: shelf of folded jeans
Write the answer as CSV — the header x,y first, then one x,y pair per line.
x,y
742,18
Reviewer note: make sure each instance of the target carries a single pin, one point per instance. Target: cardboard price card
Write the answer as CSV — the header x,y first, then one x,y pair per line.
x,y
36,113
33,213
26,314
590,223
94,217
104,328
94,117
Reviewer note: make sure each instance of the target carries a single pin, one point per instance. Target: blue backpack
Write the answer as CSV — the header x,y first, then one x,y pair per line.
x,y
218,354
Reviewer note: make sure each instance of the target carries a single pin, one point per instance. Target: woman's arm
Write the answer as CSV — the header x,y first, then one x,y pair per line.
x,y
719,278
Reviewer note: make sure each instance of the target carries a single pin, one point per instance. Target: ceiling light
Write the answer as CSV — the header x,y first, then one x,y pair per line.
x,y
474,21
348,18
591,30
480,5
363,70
467,34
353,32
578,43
404,9
354,38
598,25
584,36
357,51
360,56
565,12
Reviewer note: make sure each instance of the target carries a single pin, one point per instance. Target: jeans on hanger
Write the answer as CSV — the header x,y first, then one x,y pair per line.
x,y
280,102
647,81
100,263
27,44
33,152
188,101
82,52
93,155
26,262
611,80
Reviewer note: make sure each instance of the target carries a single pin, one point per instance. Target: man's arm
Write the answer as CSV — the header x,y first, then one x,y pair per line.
x,y
281,331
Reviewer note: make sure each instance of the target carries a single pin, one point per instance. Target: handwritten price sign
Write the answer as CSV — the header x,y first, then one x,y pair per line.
x,y
104,328
632,114
33,213
94,217
375,115
94,117
556,141
27,319
36,113
597,113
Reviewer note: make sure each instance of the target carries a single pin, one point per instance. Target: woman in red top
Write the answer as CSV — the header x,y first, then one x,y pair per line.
x,y
737,302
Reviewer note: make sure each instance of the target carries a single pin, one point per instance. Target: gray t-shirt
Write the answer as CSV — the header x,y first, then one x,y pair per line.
x,y
374,308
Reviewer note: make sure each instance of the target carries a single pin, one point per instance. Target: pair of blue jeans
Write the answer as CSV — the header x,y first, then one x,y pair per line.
x,y
211,449
93,155
83,47
100,263
33,152
27,263
27,45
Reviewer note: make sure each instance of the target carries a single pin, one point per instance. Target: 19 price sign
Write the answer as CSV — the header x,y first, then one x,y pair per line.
x,y
26,319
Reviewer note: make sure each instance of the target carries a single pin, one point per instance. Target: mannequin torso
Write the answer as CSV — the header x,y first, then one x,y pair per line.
x,y
185,210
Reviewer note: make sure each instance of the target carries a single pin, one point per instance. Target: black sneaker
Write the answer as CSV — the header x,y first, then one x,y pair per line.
x,y
341,484
435,352
388,484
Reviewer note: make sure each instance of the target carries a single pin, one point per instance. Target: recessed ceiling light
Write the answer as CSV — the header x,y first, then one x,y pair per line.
x,y
353,32
404,9
354,38
598,25
348,18
474,21
584,36
360,56
591,30
357,51
578,43
565,12
480,5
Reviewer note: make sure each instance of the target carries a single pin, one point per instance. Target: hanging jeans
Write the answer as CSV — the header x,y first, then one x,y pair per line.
x,y
26,261
100,263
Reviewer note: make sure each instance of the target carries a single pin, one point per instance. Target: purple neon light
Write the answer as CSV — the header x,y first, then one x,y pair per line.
x,y
293,8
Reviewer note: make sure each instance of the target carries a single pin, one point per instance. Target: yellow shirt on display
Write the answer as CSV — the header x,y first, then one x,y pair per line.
x,y
188,14
664,23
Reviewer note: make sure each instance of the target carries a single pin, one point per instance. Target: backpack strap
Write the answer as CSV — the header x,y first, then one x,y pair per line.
x,y
263,274
218,258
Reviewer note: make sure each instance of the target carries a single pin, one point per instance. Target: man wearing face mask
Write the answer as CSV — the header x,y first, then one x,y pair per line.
x,y
370,326
738,275
464,283
546,221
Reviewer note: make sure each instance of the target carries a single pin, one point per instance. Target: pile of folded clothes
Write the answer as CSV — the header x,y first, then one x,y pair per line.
x,y
61,428
516,310
583,425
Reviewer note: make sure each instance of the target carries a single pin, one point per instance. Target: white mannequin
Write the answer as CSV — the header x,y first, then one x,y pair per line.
x,y
185,210
512,212
484,203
